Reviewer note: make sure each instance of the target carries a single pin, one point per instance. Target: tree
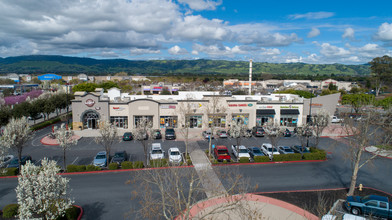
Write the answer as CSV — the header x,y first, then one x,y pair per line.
x,y
185,109
238,129
304,133
357,101
41,191
65,140
140,133
15,135
274,132
108,137
215,111
319,122
381,68
87,87
5,115
363,132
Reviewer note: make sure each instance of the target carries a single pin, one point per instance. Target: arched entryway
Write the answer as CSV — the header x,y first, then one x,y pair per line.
x,y
90,119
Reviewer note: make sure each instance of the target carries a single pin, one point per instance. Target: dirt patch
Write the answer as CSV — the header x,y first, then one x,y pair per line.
x,y
319,202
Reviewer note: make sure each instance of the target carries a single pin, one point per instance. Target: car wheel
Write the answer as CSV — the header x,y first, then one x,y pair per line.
x,y
355,211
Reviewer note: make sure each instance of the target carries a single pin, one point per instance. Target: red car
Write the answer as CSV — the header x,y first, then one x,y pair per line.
x,y
222,153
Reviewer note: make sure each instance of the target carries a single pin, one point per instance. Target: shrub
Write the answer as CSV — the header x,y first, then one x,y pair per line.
x,y
189,162
287,157
138,164
71,213
92,168
261,159
126,165
244,160
215,161
9,171
207,151
10,210
113,166
225,161
159,163
321,155
76,168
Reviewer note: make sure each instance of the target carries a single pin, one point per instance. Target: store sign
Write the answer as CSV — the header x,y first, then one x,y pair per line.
x,y
289,106
240,105
168,107
316,105
264,106
118,108
89,102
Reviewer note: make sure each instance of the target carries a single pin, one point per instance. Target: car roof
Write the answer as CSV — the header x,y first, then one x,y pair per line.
x,y
127,133
379,198
267,145
221,147
101,153
156,145
241,147
174,149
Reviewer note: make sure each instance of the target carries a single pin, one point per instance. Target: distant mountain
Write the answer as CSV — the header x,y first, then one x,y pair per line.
x,y
39,64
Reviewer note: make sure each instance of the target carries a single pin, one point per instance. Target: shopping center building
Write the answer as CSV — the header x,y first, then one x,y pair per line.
x,y
196,109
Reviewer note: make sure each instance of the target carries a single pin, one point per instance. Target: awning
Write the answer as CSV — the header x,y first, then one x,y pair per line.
x,y
289,112
265,112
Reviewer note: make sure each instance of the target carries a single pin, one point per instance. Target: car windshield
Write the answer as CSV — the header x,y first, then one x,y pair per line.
x,y
174,153
256,151
288,150
156,151
100,157
270,149
243,151
223,132
260,130
222,152
170,130
117,155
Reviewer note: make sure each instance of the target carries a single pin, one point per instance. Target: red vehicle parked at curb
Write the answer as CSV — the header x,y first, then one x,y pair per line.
x,y
222,153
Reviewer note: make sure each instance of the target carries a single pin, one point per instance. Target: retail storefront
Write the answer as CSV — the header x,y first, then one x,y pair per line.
x,y
289,117
264,115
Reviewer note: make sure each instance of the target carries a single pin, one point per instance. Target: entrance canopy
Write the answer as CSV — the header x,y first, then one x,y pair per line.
x,y
289,112
265,112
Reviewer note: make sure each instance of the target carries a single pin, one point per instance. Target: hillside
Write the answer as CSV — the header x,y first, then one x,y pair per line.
x,y
74,65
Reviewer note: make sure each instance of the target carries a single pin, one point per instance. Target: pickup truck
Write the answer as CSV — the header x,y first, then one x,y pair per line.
x,y
369,205
221,153
240,151
335,119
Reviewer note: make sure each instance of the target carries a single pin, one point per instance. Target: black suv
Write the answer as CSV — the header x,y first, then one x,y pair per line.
x,y
156,134
258,131
170,134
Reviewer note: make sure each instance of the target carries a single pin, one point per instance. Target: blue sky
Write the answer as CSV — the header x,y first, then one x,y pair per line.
x,y
349,32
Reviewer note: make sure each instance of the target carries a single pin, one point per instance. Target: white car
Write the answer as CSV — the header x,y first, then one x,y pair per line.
x,y
174,155
156,152
240,151
269,150
335,119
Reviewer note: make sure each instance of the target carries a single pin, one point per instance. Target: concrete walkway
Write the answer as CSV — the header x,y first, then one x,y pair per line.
x,y
210,181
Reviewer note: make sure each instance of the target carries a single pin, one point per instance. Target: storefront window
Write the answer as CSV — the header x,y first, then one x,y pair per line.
x,y
262,119
137,120
245,116
168,121
217,121
289,120
119,121
195,121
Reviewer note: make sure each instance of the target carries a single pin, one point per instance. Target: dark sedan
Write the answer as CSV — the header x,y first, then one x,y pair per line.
x,y
119,157
15,162
255,151
127,136
300,149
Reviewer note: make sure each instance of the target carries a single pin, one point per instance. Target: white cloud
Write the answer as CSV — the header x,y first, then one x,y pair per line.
x,y
218,50
139,51
348,33
385,32
294,60
328,50
200,5
314,33
270,51
176,50
312,15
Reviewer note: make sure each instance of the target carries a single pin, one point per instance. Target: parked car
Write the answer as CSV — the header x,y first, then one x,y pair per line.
x,y
170,134
6,160
335,119
300,149
369,205
14,163
285,150
156,151
207,134
119,157
248,133
156,134
255,151
269,150
258,131
240,151
100,159
35,117
221,153
287,133
344,217
174,155
127,136
222,134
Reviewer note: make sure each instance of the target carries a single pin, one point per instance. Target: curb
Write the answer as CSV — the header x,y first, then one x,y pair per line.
x,y
81,212
47,143
272,162
386,157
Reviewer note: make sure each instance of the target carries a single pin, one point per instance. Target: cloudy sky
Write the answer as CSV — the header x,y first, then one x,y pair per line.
x,y
344,31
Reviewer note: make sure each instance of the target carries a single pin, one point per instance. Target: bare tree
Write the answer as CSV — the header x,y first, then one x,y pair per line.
x,y
303,134
108,137
363,132
184,111
215,111
15,136
171,193
65,140
141,133
274,132
238,129
319,122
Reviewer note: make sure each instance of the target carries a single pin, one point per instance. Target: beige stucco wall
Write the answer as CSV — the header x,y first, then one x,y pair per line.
x,y
144,108
79,107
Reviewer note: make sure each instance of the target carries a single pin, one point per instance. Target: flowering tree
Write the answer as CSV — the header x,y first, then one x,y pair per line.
x,y
16,134
41,191
108,137
12,100
65,140
274,132
319,122
238,129
140,133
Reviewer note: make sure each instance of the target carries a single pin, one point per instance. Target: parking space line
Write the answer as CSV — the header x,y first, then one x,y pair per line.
x,y
75,160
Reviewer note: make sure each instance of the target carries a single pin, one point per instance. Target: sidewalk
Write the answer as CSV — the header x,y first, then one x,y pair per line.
x,y
381,153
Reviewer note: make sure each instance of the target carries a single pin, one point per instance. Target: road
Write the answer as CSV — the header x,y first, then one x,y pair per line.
x,y
107,196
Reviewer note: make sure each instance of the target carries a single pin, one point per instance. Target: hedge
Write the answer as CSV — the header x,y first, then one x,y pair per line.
x,y
315,154
76,168
126,165
138,164
159,163
45,124
92,168
71,213
261,159
113,166
244,160
189,162
10,210
9,171
287,157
